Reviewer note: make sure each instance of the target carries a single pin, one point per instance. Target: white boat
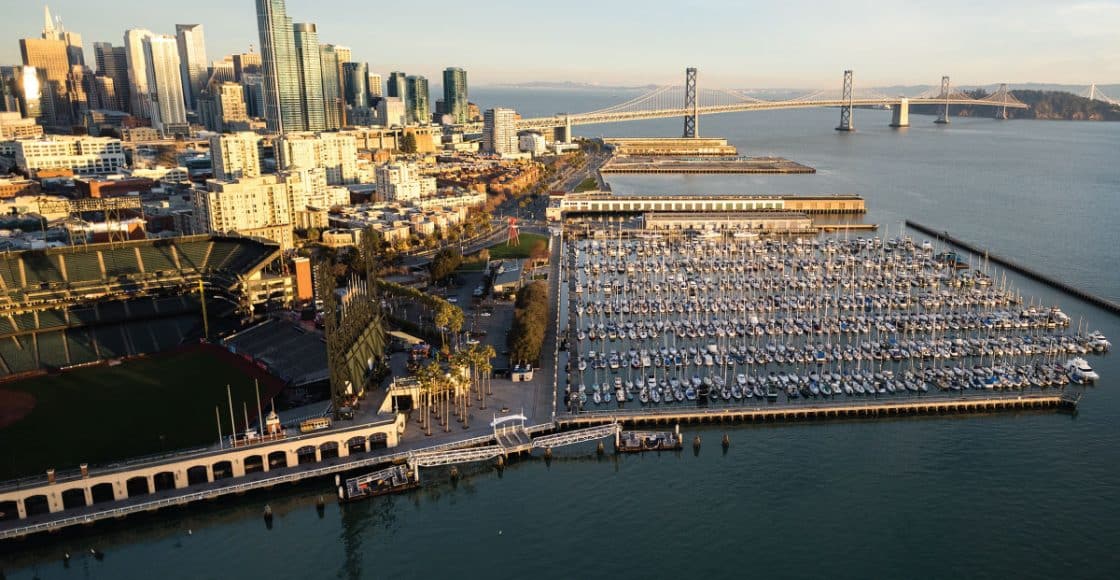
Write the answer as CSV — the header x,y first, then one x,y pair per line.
x,y
1080,368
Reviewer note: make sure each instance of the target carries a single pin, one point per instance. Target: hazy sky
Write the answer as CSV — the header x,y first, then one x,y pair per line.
x,y
735,44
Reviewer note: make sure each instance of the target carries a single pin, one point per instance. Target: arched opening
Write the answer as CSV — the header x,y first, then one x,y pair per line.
x,y
277,459
9,510
102,492
378,441
73,498
328,450
137,486
224,469
197,475
356,445
253,464
304,455
164,480
36,505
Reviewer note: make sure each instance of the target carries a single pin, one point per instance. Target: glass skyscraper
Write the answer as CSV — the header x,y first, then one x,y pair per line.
x,y
455,94
306,39
395,87
279,62
355,82
332,86
417,100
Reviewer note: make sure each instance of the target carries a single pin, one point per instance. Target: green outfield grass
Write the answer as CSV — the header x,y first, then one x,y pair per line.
x,y
142,407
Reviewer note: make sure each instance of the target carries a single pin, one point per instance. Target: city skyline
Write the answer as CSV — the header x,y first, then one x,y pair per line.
x,y
741,46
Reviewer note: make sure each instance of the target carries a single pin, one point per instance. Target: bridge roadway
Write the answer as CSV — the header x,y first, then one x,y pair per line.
x,y
555,121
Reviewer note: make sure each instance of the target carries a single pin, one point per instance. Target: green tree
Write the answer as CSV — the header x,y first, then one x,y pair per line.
x,y
444,263
408,143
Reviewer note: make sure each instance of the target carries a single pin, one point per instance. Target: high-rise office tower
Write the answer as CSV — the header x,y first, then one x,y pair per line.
x,y
28,92
139,104
49,58
355,79
254,95
345,54
112,62
332,86
375,89
165,83
310,76
192,61
52,30
395,87
417,100
246,63
499,132
230,101
455,94
283,100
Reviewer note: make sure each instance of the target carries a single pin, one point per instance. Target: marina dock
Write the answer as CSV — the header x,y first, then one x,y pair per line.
x,y
1016,267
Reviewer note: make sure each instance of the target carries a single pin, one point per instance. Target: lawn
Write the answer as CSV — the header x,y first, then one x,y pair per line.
x,y
503,251
142,407
589,184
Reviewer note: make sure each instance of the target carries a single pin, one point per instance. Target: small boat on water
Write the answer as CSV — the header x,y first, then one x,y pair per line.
x,y
638,441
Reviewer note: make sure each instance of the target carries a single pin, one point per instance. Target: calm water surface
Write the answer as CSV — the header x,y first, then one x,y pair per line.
x,y
1031,495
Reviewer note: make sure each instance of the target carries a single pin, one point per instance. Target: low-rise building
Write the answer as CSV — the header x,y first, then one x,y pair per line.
x,y
401,182
11,188
81,155
14,126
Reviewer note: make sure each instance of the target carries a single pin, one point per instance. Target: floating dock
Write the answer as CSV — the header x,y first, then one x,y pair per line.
x,y
703,165
1016,267
779,413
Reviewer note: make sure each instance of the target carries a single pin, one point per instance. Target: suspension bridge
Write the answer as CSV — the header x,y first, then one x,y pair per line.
x,y
1094,94
690,102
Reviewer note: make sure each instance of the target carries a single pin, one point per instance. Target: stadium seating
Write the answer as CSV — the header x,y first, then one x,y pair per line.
x,y
80,346
9,272
52,318
82,267
192,255
157,259
52,351
17,355
41,268
24,321
110,342
81,303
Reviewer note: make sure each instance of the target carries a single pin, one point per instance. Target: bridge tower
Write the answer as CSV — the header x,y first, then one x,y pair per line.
x,y
943,117
846,107
1001,114
691,104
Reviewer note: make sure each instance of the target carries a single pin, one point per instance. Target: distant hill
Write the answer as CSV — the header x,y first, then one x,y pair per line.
x,y
1052,105
571,85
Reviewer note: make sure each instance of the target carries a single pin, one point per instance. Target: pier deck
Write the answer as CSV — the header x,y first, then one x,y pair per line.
x,y
933,405
703,165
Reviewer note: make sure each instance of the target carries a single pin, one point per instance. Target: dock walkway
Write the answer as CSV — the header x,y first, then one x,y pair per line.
x,y
779,412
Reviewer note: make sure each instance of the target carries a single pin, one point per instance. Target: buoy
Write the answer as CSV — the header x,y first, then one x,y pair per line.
x,y
189,532
98,554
